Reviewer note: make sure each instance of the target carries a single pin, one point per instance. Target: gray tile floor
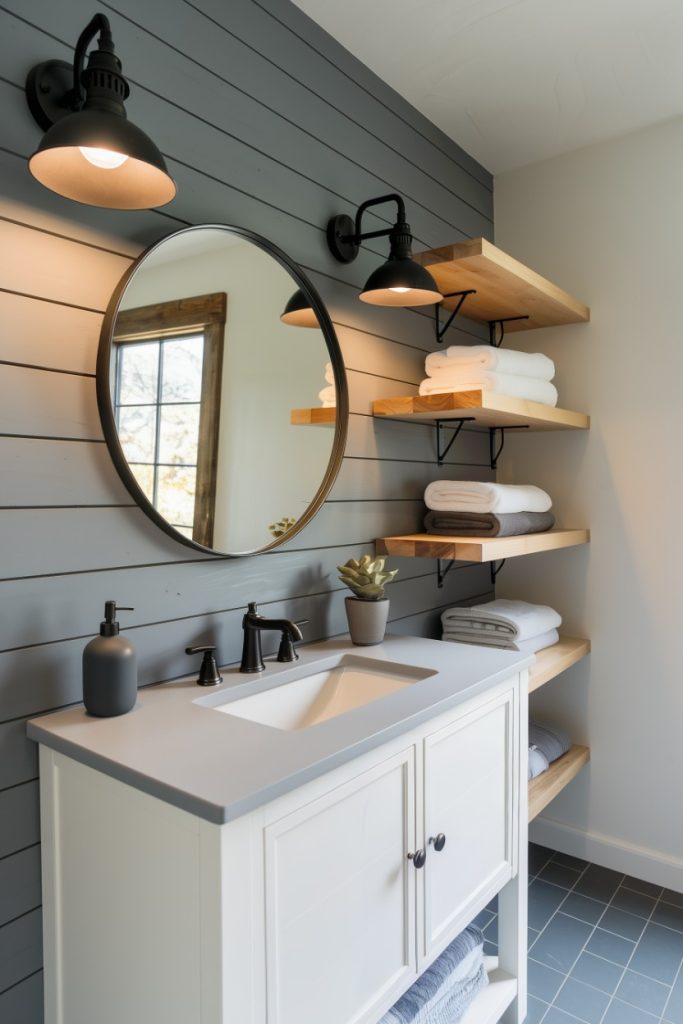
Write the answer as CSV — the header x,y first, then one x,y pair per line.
x,y
603,948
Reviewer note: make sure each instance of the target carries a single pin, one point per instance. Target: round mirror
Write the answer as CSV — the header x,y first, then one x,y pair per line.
x,y
221,389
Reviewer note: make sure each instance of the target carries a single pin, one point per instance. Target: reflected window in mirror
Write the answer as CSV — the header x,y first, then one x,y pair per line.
x,y
167,388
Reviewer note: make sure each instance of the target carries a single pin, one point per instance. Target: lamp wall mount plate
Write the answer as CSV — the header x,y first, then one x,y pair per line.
x,y
49,91
340,238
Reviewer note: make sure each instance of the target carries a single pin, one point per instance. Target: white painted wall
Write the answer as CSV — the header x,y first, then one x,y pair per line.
x,y
606,222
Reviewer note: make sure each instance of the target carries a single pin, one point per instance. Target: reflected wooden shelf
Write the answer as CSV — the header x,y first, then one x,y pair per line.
x,y
484,408
478,549
315,417
491,1003
546,786
504,287
551,661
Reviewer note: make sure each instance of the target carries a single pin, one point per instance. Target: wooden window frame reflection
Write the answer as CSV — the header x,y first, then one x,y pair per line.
x,y
206,314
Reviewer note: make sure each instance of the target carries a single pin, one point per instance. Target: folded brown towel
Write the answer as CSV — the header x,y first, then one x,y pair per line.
x,y
485,524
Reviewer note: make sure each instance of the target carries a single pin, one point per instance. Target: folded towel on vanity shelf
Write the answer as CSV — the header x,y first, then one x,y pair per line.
x,y
462,635
329,373
552,741
514,621
328,396
487,357
528,388
475,496
538,763
486,524
445,990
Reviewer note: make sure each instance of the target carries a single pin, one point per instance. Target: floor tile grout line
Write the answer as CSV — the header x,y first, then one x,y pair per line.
x,y
668,998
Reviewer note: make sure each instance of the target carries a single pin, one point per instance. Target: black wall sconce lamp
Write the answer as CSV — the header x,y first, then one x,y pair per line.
x,y
398,282
90,151
298,312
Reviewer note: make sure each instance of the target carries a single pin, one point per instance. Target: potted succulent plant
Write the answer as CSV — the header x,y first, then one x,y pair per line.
x,y
367,612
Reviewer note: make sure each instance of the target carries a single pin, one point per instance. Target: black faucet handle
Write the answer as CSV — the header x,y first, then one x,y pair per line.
x,y
208,670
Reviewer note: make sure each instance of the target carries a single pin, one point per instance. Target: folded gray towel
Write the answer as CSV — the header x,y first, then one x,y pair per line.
x,y
538,762
486,524
551,741
434,998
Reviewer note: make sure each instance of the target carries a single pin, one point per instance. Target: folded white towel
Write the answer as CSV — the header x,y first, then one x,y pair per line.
x,y
486,357
466,379
328,396
515,621
329,373
475,496
483,638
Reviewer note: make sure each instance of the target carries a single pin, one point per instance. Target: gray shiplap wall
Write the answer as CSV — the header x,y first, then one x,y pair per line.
x,y
269,124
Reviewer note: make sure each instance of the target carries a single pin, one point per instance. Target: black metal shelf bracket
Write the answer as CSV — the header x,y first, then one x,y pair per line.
x,y
442,573
493,324
495,569
442,452
440,329
495,453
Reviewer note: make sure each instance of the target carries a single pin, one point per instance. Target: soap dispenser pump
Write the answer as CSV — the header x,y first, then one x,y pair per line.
x,y
110,677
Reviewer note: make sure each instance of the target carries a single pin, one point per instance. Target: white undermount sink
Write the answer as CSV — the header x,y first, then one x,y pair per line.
x,y
317,695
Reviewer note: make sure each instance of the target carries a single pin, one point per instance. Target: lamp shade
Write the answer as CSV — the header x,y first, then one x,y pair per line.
x,y
99,177
401,282
298,311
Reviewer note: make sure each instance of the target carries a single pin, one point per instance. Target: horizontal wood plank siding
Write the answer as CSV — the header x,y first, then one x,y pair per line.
x,y
269,124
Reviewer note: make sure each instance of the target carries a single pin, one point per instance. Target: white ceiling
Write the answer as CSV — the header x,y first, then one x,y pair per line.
x,y
515,81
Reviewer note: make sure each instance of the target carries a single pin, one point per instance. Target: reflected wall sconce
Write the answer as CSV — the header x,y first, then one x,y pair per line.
x,y
298,312
398,282
90,151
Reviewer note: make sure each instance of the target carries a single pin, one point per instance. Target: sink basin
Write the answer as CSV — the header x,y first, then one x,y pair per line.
x,y
318,695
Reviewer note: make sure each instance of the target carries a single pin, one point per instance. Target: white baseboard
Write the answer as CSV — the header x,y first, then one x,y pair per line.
x,y
610,852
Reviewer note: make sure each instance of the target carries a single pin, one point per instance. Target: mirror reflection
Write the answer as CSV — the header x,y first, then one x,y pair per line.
x,y
223,393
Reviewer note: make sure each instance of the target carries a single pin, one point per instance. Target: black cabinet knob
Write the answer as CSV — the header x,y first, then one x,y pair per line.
x,y
418,858
438,842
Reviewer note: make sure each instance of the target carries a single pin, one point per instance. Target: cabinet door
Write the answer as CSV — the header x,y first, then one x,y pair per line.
x,y
467,797
340,900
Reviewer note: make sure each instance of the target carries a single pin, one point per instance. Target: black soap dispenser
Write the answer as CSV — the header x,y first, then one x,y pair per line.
x,y
110,674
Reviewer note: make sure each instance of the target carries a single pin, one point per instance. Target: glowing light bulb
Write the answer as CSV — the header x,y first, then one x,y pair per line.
x,y
104,158
399,290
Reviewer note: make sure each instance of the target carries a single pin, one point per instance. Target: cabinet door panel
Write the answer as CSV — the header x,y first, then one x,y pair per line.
x,y
468,797
340,907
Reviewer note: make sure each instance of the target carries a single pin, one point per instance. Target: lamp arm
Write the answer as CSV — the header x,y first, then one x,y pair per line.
x,y
98,23
391,198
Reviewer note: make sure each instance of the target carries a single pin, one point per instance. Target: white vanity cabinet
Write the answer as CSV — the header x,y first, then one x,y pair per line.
x,y
305,910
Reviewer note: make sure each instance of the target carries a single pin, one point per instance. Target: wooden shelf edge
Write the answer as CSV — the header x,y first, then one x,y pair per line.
x,y
485,408
551,661
478,549
491,1003
315,417
545,787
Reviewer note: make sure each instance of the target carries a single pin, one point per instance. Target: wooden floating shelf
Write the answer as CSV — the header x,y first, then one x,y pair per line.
x,y
478,549
484,408
551,661
546,786
315,417
504,287
491,1003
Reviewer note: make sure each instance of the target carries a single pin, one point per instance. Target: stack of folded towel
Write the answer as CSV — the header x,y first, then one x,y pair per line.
x,y
546,744
443,993
328,395
470,507
485,368
509,625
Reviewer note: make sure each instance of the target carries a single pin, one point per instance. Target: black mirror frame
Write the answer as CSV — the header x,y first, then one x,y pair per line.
x,y
106,410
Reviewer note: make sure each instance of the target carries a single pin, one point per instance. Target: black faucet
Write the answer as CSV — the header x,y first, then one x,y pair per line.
x,y
252,624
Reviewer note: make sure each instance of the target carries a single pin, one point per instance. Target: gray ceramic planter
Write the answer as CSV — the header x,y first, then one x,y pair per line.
x,y
367,620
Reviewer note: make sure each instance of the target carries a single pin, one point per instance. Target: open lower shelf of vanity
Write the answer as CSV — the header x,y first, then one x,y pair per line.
x,y
478,549
492,1002
483,408
546,786
504,287
314,417
551,661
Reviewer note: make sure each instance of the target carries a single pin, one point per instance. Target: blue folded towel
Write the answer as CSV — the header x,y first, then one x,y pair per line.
x,y
552,741
441,995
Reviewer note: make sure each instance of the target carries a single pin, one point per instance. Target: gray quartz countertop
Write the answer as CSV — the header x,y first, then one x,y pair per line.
x,y
175,746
